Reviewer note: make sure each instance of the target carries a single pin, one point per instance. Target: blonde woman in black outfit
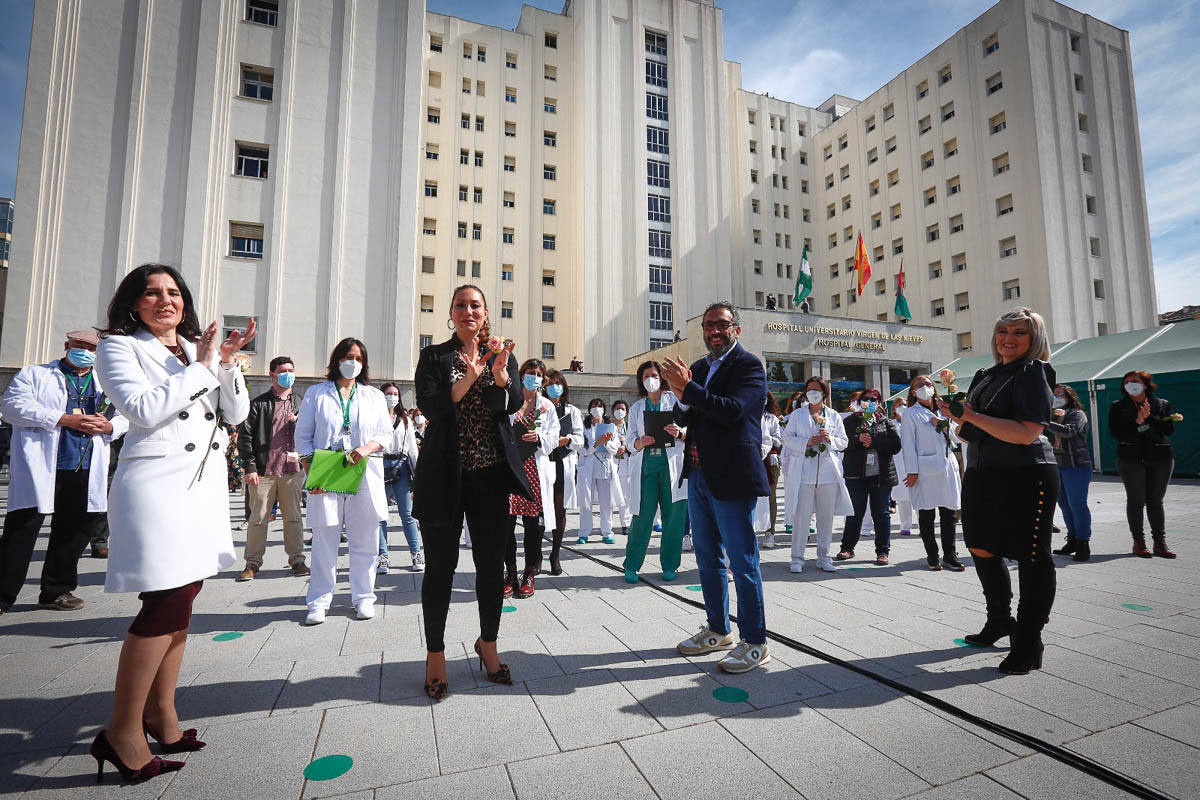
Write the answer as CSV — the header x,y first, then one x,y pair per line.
x,y
468,466
1011,485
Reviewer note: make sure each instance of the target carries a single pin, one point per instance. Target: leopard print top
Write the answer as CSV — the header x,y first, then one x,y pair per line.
x,y
478,441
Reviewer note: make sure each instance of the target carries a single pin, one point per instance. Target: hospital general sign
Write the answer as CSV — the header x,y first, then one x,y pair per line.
x,y
847,338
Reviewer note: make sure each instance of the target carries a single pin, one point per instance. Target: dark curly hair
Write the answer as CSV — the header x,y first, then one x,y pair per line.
x,y
124,321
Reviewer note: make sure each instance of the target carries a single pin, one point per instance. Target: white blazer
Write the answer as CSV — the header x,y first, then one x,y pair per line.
x,y
900,492
319,427
570,462
772,437
925,453
403,443
33,404
636,430
823,468
547,440
169,503
598,466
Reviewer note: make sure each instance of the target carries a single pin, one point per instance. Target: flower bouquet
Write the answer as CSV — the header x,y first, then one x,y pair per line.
x,y
811,452
531,425
1172,418
953,397
243,361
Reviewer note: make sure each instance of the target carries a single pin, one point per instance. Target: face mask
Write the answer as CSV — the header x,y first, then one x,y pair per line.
x,y
1060,402
619,414
814,396
285,379
393,400
854,406
80,357
554,391
652,384
597,412
1134,388
872,406
924,392
350,369
531,382
419,419
899,411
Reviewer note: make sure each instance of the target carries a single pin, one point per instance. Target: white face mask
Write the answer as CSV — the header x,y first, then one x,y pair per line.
x,y
619,414
651,384
350,369
924,392
814,396
597,412
898,411
1060,402
419,419
392,400
1135,389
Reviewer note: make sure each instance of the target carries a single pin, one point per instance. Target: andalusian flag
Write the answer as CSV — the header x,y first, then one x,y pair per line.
x,y
901,309
803,280
862,265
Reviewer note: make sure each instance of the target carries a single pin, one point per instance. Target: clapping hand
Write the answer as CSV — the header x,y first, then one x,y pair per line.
x,y
1143,412
475,363
500,364
677,374
865,438
236,340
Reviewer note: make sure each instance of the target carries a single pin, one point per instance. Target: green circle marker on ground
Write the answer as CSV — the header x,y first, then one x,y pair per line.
x,y
1136,607
327,768
855,569
228,637
696,588
965,643
730,694
508,609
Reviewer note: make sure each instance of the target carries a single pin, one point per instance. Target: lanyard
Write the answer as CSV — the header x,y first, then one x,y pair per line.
x,y
346,405
79,388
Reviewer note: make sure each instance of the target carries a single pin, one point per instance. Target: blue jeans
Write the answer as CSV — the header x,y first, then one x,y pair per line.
x,y
1072,499
720,528
401,492
861,491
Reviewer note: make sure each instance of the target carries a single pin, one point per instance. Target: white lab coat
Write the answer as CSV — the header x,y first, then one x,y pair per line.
x,y
592,467
823,468
403,443
33,404
168,517
924,452
319,427
900,492
637,429
624,473
547,440
570,463
772,437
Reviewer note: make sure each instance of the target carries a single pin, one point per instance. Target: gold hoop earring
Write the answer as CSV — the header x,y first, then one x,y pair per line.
x,y
449,324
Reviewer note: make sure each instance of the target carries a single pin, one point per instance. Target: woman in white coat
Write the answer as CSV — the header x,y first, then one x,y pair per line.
x,y
766,511
620,416
655,484
813,438
345,413
597,478
535,424
900,493
927,441
169,503
564,459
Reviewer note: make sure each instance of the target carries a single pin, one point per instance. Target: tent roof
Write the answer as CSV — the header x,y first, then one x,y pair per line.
x,y
1177,349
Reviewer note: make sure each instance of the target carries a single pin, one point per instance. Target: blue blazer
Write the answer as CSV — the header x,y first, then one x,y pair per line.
x,y
724,421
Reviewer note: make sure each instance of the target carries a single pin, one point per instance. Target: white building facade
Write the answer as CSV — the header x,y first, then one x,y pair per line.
x,y
336,169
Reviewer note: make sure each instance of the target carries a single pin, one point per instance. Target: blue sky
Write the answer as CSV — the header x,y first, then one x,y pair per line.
x,y
806,51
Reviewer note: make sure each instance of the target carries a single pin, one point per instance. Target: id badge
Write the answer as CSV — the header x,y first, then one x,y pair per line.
x,y
345,442
1143,428
292,457
76,410
870,459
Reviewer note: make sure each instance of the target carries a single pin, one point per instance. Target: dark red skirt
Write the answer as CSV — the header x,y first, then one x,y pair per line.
x,y
165,611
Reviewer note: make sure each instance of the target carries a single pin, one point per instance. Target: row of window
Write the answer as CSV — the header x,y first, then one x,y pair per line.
x,y
479,52
777,123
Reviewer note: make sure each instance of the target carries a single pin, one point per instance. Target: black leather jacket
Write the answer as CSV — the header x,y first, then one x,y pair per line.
x,y
885,442
254,435
1149,441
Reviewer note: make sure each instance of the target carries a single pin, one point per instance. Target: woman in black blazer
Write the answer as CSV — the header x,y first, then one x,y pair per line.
x,y
1142,423
468,465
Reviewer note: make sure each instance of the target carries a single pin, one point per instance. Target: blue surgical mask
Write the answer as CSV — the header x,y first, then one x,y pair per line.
x,y
531,382
554,391
286,379
81,358
872,406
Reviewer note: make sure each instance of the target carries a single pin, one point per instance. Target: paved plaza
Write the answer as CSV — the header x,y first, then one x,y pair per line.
x,y
604,707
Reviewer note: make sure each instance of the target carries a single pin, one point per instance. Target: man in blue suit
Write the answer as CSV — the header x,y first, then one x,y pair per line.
x,y
722,397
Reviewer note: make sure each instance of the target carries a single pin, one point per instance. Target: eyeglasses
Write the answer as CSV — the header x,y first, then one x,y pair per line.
x,y
719,325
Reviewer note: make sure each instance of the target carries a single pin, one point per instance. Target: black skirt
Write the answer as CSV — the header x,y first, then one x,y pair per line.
x,y
1009,511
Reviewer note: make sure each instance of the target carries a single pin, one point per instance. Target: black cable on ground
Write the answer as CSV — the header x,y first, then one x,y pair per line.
x,y
1058,753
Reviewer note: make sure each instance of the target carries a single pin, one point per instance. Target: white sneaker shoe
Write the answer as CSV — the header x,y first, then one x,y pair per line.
x,y
827,565
384,565
744,658
418,561
365,610
797,567
769,541
315,616
706,640
687,543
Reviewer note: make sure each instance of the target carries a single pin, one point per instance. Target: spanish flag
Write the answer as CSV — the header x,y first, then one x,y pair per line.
x,y
862,265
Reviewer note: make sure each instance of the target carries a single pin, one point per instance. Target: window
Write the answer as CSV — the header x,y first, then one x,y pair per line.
x,y
548,241
1004,205
851,297
844,172
480,53
924,125
932,233
948,112
507,236
1086,161
754,146
935,270
827,153
476,231
550,73
659,207
803,186
476,268
889,111
435,43
466,86
1008,247
835,301
950,148
1094,246
253,160
890,145
547,313
754,205
462,230
922,89
465,122
435,80
1078,82
956,223
828,181
506,272
997,123
551,40
510,60
510,200
897,246
550,105
656,73
1011,289
964,342
893,177
1074,43
937,307
876,256
758,266
479,158
510,94
874,188
1089,203
876,221
426,304
930,196
775,180
460,268
549,172
479,124
423,341
1098,289
961,302
994,84
262,12
510,163
258,83
834,270
547,351
750,116
433,115
880,287
804,215
656,106
1083,123
869,125
431,188
510,130
656,140
832,240
660,244
462,193
944,75
506,310
758,299
872,155
431,151
1000,164
848,233
846,203
953,186
660,278
464,156
467,50
803,157
548,277
894,212
658,173
477,195
958,262
990,45
660,316
927,160
831,211
548,207
245,240
843,142
429,226
800,129
656,43
550,138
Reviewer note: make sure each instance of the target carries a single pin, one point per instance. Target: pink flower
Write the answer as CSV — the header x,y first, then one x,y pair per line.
x,y
495,344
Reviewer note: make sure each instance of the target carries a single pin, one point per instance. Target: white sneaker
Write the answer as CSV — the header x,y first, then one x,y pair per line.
x,y
687,543
384,565
827,565
315,616
744,658
365,610
418,561
797,567
729,576
706,640
769,540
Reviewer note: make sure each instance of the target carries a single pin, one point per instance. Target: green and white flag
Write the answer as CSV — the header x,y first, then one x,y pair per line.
x,y
803,280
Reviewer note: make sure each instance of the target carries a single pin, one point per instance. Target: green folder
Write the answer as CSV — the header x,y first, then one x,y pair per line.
x,y
330,472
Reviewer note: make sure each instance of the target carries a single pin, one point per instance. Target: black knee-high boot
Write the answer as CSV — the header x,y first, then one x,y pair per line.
x,y
555,546
997,592
949,550
1038,582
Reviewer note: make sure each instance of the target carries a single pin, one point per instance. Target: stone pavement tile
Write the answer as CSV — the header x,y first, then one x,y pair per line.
x,y
641,602
1137,686
588,709
77,723
738,771
260,758
579,609
1151,592
1066,700
1091,612
1106,595
509,709
1040,777
601,773
773,684
837,678
581,649
203,652
492,783
526,656
330,682
914,737
31,632
652,639
389,742
795,624
20,717
927,597
387,631
74,776
222,695
404,671
829,612
976,787
296,641
1160,639
1180,623
818,758
1180,669
935,640
1155,760
677,693
1181,723
19,771
366,794
25,673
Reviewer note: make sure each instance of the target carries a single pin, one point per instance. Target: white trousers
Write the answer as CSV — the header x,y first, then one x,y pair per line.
x,y
820,499
904,511
599,489
361,523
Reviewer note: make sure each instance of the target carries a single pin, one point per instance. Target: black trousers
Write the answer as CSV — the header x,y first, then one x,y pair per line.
x,y
1145,486
72,527
534,530
864,491
925,518
484,502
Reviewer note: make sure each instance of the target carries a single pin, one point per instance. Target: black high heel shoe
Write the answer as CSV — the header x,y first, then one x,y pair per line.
x,y
502,676
993,631
102,751
1025,655
187,743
